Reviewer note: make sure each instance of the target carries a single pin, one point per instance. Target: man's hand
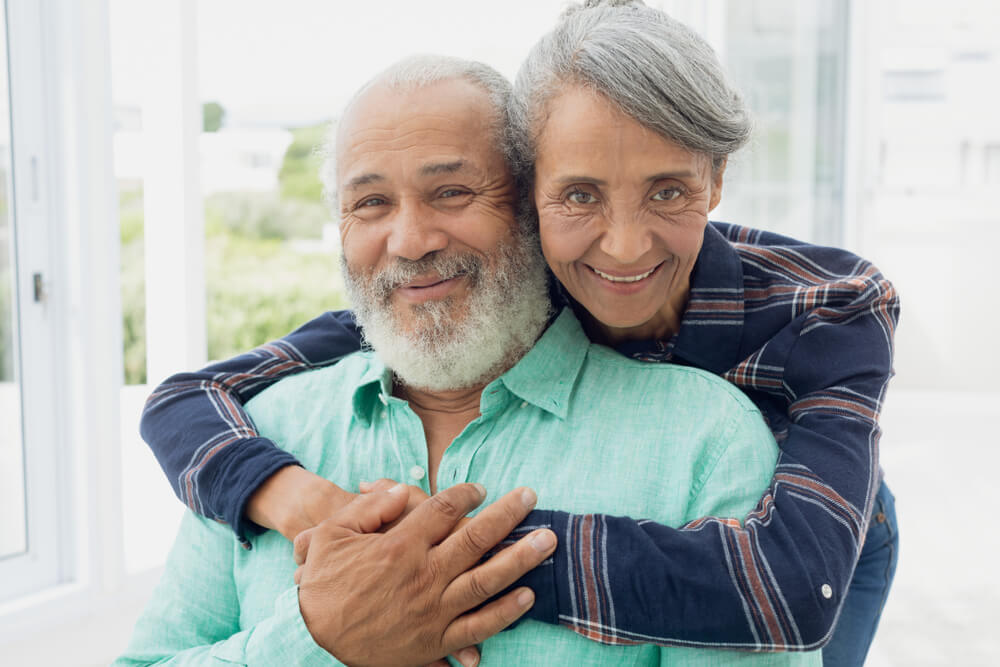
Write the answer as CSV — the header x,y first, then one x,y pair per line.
x,y
402,597
293,500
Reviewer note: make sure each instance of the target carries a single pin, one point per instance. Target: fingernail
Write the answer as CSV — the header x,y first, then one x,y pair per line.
x,y
543,540
364,486
399,488
526,598
481,489
468,658
529,498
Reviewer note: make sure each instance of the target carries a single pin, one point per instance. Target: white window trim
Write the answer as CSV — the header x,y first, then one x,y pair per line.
x,y
43,563
60,83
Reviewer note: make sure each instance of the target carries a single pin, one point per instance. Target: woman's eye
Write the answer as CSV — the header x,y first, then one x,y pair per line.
x,y
581,197
667,194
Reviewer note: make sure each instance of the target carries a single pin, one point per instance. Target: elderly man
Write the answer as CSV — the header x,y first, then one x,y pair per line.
x,y
472,380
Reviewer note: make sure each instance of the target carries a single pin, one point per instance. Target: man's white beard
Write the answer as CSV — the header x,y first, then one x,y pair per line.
x,y
456,344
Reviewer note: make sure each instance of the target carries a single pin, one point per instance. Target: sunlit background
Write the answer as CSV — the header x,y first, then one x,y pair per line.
x,y
159,208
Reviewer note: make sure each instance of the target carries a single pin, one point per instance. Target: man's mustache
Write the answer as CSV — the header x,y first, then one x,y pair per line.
x,y
403,270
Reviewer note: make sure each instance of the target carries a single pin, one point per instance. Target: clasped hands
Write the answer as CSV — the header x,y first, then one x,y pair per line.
x,y
413,593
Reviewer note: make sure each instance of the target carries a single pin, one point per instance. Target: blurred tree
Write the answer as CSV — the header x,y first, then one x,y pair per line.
x,y
212,116
133,277
6,325
262,215
6,291
299,174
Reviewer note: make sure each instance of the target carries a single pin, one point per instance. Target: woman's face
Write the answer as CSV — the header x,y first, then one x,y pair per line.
x,y
622,214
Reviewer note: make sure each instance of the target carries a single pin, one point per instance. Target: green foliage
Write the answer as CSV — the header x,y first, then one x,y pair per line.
x,y
259,290
133,277
212,116
299,174
262,215
6,291
260,284
6,324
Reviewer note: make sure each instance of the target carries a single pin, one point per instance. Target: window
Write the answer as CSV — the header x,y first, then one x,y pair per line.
x,y
30,558
13,536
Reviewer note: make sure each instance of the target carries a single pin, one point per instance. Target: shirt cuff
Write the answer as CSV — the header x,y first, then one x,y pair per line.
x,y
240,469
543,579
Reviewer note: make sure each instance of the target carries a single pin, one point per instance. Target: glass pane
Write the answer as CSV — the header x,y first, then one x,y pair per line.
x,y
789,60
13,536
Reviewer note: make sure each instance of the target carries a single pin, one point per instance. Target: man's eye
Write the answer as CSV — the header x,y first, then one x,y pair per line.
x,y
452,192
667,194
371,201
581,197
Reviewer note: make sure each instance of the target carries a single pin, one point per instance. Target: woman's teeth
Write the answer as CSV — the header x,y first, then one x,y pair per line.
x,y
623,279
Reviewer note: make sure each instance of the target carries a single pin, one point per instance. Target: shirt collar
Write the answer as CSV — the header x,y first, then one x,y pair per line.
x,y
544,377
712,326
373,390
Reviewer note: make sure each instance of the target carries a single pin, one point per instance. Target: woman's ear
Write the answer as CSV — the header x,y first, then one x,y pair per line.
x,y
717,174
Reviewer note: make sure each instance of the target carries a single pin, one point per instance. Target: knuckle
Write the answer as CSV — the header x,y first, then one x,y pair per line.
x,y
443,504
474,540
479,588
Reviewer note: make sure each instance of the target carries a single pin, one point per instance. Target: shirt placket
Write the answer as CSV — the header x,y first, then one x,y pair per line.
x,y
408,435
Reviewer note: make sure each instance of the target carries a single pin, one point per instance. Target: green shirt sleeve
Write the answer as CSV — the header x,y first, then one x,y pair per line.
x,y
744,458
193,617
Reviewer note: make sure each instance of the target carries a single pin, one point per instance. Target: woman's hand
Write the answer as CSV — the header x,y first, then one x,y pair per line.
x,y
293,500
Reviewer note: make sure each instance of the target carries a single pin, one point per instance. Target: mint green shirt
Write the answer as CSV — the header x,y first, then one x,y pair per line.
x,y
590,430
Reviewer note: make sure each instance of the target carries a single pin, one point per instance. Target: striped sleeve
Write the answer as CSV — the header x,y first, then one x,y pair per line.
x,y
207,445
774,581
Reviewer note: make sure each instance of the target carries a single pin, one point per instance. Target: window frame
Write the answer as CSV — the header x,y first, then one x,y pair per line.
x,y
44,562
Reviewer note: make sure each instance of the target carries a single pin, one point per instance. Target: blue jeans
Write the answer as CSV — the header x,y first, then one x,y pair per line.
x,y
869,587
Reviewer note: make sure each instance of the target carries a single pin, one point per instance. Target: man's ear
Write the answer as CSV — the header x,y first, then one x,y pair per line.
x,y
717,174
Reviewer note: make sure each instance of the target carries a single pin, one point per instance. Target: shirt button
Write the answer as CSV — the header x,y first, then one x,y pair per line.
x,y
826,591
524,404
416,473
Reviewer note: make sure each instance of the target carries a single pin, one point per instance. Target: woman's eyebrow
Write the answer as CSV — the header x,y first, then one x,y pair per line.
x,y
566,180
686,173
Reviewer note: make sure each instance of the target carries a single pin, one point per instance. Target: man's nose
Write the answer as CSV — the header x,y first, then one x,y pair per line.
x,y
625,241
414,231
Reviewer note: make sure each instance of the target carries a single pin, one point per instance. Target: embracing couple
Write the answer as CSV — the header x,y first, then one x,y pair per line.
x,y
548,318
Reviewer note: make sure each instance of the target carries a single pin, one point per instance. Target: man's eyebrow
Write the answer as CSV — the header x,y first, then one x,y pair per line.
x,y
435,168
363,179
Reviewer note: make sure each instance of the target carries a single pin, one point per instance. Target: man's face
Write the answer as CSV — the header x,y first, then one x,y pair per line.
x,y
419,179
449,291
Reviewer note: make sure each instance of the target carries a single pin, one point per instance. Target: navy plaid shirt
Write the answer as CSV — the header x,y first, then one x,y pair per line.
x,y
805,331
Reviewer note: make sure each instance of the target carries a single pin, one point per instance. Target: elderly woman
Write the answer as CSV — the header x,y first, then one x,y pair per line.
x,y
623,123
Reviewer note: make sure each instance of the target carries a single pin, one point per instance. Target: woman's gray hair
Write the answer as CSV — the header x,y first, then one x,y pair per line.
x,y
417,72
654,68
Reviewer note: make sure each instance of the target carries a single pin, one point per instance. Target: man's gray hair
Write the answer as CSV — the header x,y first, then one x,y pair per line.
x,y
417,72
654,68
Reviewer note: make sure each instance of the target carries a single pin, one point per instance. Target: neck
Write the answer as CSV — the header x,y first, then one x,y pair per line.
x,y
444,415
456,401
662,326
